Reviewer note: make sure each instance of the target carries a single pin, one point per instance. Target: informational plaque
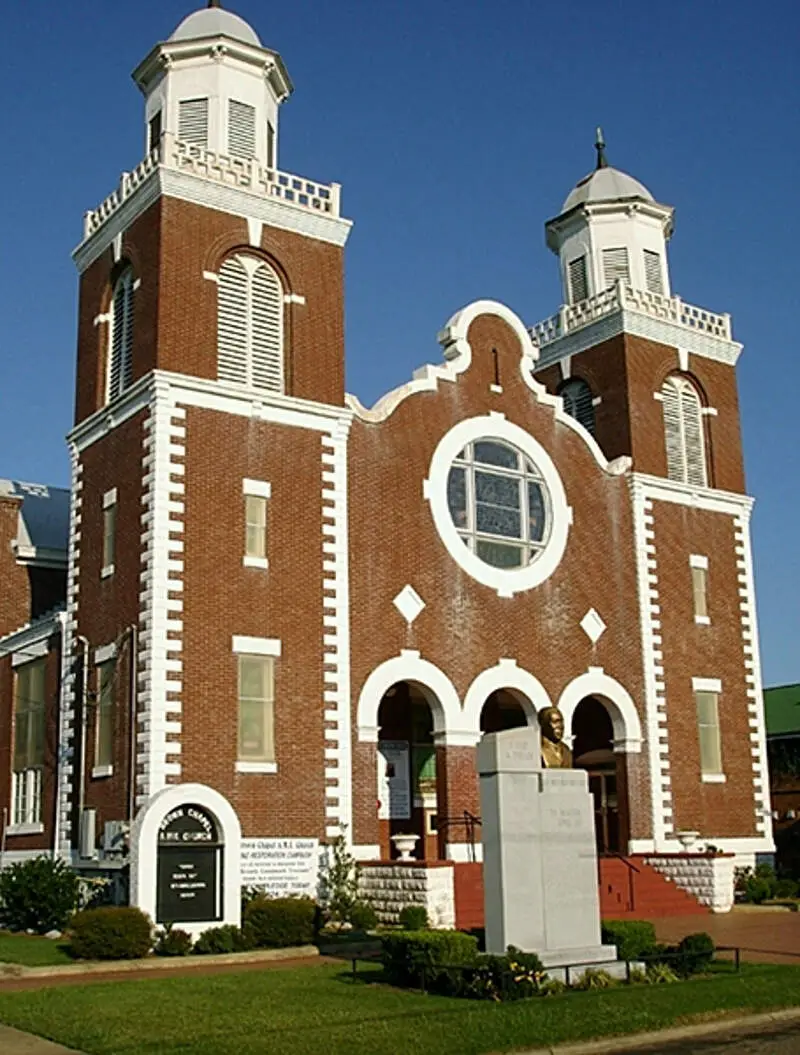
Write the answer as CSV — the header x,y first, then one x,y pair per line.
x,y
189,874
394,780
281,867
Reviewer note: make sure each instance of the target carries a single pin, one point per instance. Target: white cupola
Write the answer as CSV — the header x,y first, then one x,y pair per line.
x,y
214,87
610,229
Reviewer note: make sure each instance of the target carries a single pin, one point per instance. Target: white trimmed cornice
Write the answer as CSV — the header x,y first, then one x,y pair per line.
x,y
33,633
657,488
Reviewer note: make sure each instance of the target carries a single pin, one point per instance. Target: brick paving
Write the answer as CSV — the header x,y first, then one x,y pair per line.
x,y
764,935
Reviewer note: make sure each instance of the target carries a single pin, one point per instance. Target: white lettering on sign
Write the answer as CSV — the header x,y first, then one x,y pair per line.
x,y
281,867
394,780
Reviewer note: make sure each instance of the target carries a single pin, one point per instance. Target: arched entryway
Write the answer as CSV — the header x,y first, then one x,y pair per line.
x,y
593,750
502,710
407,772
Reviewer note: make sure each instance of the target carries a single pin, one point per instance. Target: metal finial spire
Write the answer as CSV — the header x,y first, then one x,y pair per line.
x,y
214,3
600,147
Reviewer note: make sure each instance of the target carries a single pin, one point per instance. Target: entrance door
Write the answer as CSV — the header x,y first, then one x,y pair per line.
x,y
603,786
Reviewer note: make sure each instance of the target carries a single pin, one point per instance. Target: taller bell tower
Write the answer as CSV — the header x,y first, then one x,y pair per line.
x,y
209,494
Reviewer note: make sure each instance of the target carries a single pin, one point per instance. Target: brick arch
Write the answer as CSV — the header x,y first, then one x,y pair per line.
x,y
527,690
615,698
437,688
231,243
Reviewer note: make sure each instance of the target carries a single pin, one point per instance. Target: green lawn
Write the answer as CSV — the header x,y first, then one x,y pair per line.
x,y
31,951
318,1009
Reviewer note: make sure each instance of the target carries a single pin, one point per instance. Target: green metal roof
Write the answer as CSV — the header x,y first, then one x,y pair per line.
x,y
782,710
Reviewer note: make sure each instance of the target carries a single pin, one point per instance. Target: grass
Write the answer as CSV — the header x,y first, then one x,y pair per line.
x,y
31,951
318,1009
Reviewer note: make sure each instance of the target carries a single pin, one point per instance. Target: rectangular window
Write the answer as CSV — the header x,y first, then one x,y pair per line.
x,y
193,121
109,531
154,131
256,708
653,279
256,494
578,285
616,267
699,569
104,723
241,129
29,741
708,733
270,146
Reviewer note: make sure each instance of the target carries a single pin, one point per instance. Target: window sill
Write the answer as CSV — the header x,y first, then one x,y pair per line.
x,y
256,767
255,562
25,829
703,620
107,572
102,771
714,778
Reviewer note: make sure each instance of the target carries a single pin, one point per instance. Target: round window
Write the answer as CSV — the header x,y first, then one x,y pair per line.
x,y
499,503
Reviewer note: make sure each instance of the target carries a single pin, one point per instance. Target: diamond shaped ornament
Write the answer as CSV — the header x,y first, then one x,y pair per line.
x,y
409,604
593,626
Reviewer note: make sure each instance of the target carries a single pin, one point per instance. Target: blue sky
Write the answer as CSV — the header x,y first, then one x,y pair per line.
x,y
456,129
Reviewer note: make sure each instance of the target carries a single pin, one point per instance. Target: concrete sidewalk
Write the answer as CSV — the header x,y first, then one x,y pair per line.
x,y
13,1042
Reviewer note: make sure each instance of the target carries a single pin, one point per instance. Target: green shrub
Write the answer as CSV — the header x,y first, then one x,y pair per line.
x,y
411,957
39,894
216,941
363,916
121,933
785,888
340,883
634,938
280,922
593,978
414,917
696,953
171,942
757,890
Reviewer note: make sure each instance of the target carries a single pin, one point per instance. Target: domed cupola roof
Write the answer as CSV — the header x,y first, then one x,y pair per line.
x,y
605,183
213,21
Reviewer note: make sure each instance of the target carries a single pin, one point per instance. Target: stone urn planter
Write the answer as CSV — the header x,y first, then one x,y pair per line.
x,y
687,839
405,845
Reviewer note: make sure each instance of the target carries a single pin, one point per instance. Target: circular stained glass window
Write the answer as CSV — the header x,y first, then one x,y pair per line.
x,y
499,503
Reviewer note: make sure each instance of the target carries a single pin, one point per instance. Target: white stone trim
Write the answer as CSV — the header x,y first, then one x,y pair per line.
x,y
255,230
505,582
68,704
335,587
255,562
710,412
507,675
752,667
366,851
464,852
26,829
110,498
713,778
683,359
617,700
99,772
655,704
256,767
160,667
144,856
703,620
30,640
105,653
211,276
294,298
706,685
256,488
657,488
107,571
32,650
449,726
255,646
698,561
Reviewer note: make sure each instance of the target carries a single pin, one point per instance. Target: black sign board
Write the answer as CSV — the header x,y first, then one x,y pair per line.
x,y
189,881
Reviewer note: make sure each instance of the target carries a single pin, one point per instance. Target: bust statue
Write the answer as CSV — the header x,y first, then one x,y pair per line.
x,y
555,753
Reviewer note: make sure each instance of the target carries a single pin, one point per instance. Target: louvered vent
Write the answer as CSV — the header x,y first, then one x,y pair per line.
x,y
578,286
241,129
683,432
193,121
120,344
652,272
578,402
615,267
250,324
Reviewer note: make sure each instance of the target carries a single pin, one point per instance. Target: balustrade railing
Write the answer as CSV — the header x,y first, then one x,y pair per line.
x,y
619,297
246,173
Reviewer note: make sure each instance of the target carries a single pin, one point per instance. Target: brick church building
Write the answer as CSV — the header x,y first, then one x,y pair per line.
x,y
300,614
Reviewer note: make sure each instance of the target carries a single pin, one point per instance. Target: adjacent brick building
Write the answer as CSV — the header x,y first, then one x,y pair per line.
x,y
300,614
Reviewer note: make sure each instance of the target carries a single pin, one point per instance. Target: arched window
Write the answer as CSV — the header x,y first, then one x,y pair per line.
x,y
683,432
120,337
578,402
250,324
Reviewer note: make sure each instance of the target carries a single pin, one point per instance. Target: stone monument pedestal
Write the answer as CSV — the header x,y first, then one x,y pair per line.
x,y
539,856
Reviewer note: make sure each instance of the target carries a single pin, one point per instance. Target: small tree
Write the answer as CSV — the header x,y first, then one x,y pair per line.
x,y
39,894
340,883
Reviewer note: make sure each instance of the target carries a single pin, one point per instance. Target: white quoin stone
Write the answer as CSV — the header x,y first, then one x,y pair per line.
x,y
215,56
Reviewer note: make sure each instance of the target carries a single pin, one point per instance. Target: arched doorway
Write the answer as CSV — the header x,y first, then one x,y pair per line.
x,y
593,750
407,793
502,710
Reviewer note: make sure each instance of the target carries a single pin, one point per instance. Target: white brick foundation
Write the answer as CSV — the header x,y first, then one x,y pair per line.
x,y
708,877
389,887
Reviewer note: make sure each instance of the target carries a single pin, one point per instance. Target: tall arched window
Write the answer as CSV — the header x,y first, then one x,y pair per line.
x,y
120,337
683,432
250,324
578,402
